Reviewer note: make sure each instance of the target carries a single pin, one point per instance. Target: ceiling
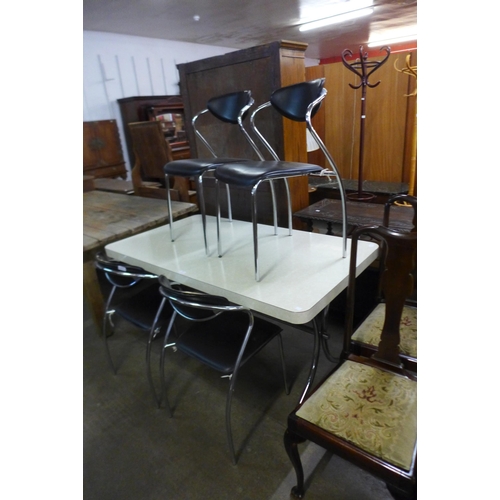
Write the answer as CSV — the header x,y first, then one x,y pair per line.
x,y
241,24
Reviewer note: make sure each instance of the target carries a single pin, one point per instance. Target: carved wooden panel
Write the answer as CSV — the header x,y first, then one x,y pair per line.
x,y
102,150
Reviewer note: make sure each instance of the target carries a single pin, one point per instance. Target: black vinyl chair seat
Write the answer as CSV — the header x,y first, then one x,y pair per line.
x,y
195,166
249,173
211,344
140,308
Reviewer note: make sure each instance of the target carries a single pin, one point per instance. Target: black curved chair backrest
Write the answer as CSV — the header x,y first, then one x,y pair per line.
x,y
192,304
120,274
293,101
227,107
194,298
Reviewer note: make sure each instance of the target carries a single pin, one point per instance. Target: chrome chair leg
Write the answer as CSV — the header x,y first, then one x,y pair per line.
x,y
201,203
229,212
289,199
163,388
106,319
152,334
105,339
275,212
255,233
314,365
217,202
339,180
229,431
344,217
229,209
169,203
232,385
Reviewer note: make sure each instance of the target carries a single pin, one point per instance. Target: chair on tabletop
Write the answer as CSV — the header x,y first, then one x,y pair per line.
x,y
136,298
229,108
151,152
297,102
365,410
222,335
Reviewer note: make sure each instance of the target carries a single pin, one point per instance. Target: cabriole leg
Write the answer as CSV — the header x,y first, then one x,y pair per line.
x,y
291,446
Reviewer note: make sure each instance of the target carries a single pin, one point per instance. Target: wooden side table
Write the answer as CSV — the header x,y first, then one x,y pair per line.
x,y
358,214
325,187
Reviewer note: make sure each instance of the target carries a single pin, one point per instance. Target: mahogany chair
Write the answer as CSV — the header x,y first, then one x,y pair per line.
x,y
297,102
365,410
221,335
151,152
229,108
365,339
134,301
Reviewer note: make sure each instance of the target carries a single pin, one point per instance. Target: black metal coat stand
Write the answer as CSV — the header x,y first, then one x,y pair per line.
x,y
363,68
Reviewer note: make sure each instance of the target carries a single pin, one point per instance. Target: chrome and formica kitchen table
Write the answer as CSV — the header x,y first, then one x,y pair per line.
x,y
300,274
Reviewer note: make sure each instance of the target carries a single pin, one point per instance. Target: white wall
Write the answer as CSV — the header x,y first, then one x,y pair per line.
x,y
116,66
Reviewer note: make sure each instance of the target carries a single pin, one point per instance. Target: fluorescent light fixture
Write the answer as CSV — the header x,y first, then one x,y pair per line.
x,y
394,35
388,41
340,18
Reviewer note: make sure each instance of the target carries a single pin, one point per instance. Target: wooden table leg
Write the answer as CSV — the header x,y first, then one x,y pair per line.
x,y
92,293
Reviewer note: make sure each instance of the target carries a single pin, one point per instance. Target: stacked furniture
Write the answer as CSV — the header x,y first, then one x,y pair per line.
x,y
263,69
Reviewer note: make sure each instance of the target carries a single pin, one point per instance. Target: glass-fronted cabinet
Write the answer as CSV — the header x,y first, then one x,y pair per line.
x,y
168,109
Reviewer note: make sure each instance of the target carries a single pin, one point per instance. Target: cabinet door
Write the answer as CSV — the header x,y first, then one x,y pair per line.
x,y
102,148
90,146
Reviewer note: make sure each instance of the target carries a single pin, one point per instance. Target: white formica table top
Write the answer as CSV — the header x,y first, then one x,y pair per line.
x,y
300,274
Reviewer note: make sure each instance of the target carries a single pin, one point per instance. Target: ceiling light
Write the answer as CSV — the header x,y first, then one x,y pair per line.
x,y
336,19
388,41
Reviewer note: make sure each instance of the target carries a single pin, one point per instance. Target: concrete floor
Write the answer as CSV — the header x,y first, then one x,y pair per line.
x,y
133,451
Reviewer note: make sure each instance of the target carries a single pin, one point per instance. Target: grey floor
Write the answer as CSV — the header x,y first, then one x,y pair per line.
x,y
133,451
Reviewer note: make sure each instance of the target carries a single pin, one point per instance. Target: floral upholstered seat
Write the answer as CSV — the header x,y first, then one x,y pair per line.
x,y
371,408
370,330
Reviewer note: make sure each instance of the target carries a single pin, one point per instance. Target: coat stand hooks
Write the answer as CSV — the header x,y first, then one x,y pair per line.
x,y
411,71
364,69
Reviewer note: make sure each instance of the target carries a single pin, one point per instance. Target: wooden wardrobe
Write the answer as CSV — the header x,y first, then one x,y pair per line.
x,y
262,70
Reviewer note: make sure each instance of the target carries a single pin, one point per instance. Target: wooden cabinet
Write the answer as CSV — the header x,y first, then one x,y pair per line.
x,y
168,110
262,70
102,150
